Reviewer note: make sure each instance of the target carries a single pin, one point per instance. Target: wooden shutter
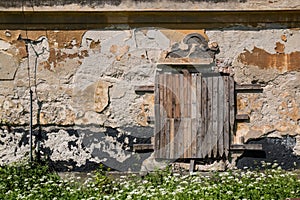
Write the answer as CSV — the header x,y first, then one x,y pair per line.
x,y
194,114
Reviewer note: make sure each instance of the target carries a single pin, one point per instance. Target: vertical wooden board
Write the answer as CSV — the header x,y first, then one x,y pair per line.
x,y
220,136
215,116
177,115
170,95
181,95
226,116
194,123
192,166
160,114
188,95
167,101
190,141
169,109
163,115
184,138
177,139
231,105
185,95
167,139
171,99
209,138
205,124
182,122
194,116
176,91
156,115
187,137
204,132
188,105
199,116
193,96
172,139
181,138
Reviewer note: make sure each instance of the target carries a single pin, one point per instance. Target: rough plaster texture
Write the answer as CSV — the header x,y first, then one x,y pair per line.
x,y
274,112
86,109
86,82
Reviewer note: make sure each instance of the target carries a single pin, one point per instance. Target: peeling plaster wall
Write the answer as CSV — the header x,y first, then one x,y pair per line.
x,y
256,59
265,57
86,110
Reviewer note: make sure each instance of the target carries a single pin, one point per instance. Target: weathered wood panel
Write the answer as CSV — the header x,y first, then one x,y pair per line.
x,y
157,116
226,116
194,115
220,121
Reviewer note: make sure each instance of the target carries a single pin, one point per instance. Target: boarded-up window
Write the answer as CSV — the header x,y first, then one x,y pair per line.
x,y
194,115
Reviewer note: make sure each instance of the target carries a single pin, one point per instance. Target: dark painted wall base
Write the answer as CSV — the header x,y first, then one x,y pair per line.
x,y
275,150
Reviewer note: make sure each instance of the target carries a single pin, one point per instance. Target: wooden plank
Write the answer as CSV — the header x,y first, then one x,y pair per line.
x,y
186,95
185,114
166,116
177,114
188,138
144,88
157,126
231,106
250,87
182,137
194,116
169,112
204,131
162,114
189,100
220,122
226,116
192,165
172,139
240,147
215,101
242,117
209,137
176,90
194,123
193,96
181,124
168,97
167,139
171,100
141,147
181,95
199,116
177,139
188,134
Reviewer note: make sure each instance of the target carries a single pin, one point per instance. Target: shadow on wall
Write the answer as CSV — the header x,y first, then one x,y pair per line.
x,y
90,142
275,150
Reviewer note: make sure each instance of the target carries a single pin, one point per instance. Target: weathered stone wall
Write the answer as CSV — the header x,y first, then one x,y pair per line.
x,y
85,109
267,57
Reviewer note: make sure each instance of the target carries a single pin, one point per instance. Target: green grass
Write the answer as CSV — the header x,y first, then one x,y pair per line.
x,y
33,181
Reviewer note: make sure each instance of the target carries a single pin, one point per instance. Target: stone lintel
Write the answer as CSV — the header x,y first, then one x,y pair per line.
x,y
33,20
